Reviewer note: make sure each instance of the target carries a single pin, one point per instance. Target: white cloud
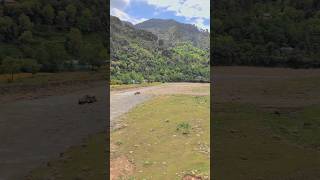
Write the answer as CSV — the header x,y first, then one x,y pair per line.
x,y
117,9
199,22
126,17
186,8
194,11
119,4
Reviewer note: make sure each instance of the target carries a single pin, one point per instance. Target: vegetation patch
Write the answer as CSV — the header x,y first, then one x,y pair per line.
x,y
301,126
139,55
184,128
266,33
151,140
253,142
87,161
37,35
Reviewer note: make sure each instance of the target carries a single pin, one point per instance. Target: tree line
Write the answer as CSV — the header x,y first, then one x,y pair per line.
x,y
271,33
52,35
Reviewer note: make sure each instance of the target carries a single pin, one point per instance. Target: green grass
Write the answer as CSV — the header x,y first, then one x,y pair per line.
x,y
252,143
81,162
300,126
155,146
46,78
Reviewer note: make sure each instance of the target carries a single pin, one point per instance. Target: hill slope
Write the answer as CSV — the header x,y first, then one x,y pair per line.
x,y
138,55
173,32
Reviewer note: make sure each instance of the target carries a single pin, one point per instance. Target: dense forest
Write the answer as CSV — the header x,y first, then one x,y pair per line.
x,y
139,54
52,35
266,33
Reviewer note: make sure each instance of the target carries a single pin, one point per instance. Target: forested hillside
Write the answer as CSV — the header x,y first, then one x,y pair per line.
x,y
138,55
171,32
266,33
52,35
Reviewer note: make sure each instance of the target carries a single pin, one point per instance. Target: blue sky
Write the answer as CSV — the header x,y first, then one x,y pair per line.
x,y
186,11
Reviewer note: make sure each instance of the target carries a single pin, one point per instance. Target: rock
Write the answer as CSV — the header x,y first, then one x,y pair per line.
x,y
85,169
243,158
84,145
87,99
277,113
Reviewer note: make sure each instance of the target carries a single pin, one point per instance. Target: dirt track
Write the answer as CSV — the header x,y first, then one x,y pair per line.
x,y
122,101
37,130
267,87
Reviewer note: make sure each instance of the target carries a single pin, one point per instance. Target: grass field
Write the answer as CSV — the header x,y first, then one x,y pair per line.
x,y
87,161
266,124
166,138
46,78
28,86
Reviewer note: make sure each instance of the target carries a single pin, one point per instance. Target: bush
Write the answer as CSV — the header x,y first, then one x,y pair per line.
x,y
30,65
11,66
115,82
184,128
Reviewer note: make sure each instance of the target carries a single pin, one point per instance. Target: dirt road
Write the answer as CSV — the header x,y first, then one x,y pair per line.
x,y
122,101
37,130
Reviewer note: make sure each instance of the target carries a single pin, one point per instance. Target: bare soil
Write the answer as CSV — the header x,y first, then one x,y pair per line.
x,y
281,87
191,177
120,167
37,126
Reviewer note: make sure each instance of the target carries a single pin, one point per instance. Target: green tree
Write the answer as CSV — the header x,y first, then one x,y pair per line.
x,y
11,66
26,37
8,29
30,65
61,18
92,55
25,23
42,57
84,21
48,14
73,41
57,56
71,13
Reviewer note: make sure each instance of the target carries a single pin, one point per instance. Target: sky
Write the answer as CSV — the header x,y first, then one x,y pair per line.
x,y
185,11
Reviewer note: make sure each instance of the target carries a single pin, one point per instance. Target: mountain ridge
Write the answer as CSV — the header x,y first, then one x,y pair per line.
x,y
172,31
139,55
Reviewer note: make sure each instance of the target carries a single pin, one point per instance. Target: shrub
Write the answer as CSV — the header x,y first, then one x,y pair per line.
x,y
184,128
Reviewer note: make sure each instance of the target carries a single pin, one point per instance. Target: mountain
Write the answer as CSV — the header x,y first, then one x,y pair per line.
x,y
139,55
173,32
